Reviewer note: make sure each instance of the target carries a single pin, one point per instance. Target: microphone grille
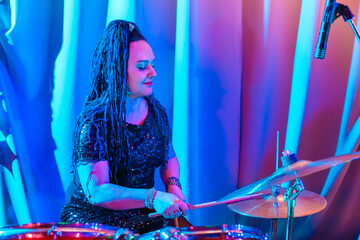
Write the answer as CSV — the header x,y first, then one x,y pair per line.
x,y
319,53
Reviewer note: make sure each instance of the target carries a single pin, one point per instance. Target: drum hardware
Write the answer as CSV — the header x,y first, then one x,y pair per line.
x,y
224,232
266,199
298,169
291,170
125,234
275,193
290,197
274,207
291,193
273,229
164,234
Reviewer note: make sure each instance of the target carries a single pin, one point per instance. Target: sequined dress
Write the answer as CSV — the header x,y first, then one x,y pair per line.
x,y
147,146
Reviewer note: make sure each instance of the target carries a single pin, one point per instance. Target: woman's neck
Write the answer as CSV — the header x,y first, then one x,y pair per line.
x,y
133,105
136,110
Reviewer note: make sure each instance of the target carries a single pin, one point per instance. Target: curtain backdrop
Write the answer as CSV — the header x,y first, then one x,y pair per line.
x,y
244,70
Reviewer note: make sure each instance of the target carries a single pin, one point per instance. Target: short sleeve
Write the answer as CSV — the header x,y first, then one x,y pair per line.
x,y
89,145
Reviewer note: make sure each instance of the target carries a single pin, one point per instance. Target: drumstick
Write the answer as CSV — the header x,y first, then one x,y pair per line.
x,y
214,203
176,222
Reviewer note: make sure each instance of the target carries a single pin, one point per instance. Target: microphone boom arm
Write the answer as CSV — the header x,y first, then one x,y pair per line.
x,y
331,13
348,17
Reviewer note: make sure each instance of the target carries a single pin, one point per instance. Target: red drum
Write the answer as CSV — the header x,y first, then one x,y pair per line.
x,y
233,232
88,231
38,231
62,231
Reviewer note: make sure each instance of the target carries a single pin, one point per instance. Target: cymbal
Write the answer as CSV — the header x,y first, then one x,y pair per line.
x,y
298,169
274,207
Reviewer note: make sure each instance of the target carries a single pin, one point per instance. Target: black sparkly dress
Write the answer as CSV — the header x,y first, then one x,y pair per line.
x,y
146,151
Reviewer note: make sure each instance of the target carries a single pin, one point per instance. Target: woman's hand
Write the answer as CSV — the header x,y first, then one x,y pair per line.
x,y
169,205
177,192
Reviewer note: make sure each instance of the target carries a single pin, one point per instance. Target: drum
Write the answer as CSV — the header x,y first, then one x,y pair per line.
x,y
40,231
164,233
89,231
238,232
63,231
233,232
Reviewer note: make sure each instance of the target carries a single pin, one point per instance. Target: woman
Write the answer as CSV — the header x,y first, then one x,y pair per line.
x,y
121,137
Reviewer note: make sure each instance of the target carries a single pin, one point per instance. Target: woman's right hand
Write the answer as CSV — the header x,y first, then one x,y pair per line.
x,y
169,205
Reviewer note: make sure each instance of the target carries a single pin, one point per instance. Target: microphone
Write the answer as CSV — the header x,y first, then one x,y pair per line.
x,y
328,18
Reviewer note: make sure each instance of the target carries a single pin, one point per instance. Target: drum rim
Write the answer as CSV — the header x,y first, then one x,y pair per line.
x,y
59,229
236,231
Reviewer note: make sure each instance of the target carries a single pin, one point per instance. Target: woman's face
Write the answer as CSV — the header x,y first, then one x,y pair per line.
x,y
141,69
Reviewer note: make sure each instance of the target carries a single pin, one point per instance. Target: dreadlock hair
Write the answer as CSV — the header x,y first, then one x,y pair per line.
x,y
105,103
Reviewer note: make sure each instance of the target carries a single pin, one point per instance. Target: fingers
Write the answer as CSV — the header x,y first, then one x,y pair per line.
x,y
163,201
183,208
178,213
169,215
176,210
173,214
170,205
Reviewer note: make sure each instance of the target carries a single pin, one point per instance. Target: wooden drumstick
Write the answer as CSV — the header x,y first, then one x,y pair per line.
x,y
214,203
176,222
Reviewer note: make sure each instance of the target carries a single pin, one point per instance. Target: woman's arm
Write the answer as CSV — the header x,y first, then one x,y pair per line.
x,y
94,179
172,169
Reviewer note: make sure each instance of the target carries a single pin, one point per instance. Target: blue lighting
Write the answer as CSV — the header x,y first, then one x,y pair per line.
x,y
267,7
347,139
121,10
301,74
63,95
2,202
181,90
15,187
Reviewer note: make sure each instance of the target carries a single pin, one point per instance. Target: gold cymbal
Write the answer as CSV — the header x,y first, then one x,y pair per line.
x,y
274,207
298,169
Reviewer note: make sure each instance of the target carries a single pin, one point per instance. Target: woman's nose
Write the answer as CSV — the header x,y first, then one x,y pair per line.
x,y
152,72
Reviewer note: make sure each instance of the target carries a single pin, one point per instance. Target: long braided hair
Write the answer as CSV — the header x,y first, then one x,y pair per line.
x,y
105,103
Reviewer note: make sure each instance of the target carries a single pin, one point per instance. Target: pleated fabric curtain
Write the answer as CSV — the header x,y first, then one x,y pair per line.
x,y
231,74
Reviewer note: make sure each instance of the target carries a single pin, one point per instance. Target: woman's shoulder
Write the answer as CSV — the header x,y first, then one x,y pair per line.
x,y
91,121
88,124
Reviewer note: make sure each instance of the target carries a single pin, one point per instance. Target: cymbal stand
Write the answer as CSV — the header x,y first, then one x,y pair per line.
x,y
292,192
273,229
290,197
275,193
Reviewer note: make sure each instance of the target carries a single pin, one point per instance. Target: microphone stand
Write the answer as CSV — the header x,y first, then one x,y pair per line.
x,y
332,11
345,12
348,17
